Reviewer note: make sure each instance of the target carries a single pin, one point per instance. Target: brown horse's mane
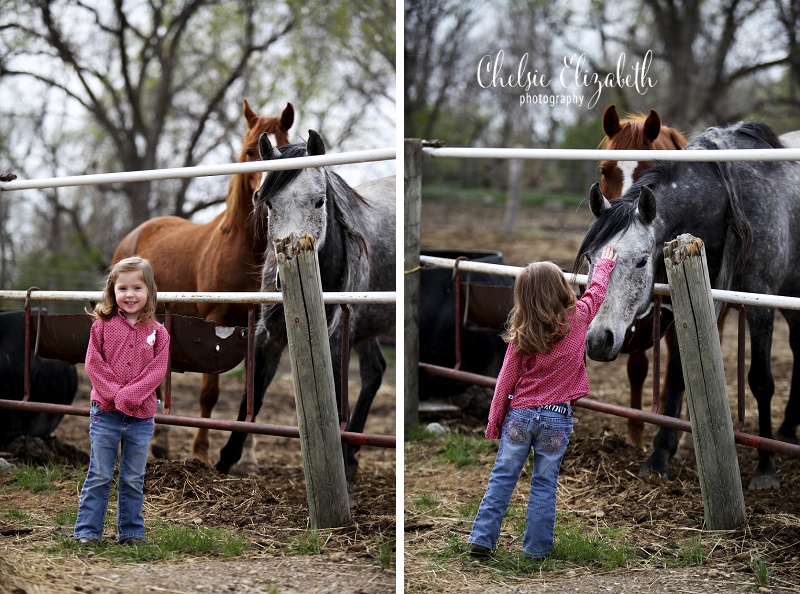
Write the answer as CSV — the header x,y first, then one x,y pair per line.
x,y
631,134
239,201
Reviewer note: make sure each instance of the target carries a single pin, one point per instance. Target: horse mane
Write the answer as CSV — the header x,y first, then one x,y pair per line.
x,y
237,202
616,219
632,135
238,199
739,236
343,210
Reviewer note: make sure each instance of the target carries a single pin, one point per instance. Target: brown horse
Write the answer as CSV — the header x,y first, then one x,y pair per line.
x,y
225,254
637,132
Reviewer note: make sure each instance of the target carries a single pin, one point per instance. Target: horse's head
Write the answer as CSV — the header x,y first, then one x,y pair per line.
x,y
635,132
276,126
627,224
295,199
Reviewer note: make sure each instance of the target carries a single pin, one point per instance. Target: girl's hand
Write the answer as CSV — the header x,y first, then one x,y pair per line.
x,y
610,253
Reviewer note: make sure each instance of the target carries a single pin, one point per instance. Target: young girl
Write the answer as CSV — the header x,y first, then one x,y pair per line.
x,y
126,361
543,373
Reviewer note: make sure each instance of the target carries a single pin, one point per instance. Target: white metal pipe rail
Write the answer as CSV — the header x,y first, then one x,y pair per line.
x,y
383,297
735,297
705,156
352,157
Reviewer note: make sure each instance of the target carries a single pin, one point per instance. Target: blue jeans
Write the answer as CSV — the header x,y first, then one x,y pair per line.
x,y
107,430
548,433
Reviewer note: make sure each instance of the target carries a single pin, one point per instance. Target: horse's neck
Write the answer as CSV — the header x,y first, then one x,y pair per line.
x,y
238,206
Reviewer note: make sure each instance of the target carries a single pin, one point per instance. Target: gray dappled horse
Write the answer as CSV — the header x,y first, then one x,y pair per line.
x,y
355,241
746,214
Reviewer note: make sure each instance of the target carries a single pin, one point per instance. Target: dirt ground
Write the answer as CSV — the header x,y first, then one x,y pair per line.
x,y
269,509
598,483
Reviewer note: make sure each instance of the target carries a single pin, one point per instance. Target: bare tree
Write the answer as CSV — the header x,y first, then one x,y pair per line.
x,y
142,65
706,49
94,86
436,33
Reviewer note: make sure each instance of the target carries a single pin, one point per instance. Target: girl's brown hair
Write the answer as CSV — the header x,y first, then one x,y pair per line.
x,y
538,319
107,308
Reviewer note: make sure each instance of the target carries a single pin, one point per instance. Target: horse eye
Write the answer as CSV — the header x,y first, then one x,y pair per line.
x,y
642,263
604,173
319,203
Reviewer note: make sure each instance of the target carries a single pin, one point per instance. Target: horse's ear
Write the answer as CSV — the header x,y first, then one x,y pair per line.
x,y
315,146
647,205
597,201
265,148
652,126
610,121
249,115
287,117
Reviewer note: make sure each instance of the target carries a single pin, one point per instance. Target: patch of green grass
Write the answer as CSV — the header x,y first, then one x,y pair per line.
x,y
591,546
690,554
466,450
418,433
760,569
576,543
18,516
39,478
386,548
306,543
164,541
470,510
67,517
426,501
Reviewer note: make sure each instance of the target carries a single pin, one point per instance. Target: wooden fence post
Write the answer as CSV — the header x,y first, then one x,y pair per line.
x,y
706,388
411,268
312,374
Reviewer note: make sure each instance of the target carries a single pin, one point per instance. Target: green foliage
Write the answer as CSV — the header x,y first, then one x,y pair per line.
x,y
386,548
305,543
38,478
18,516
465,450
72,268
164,541
426,501
692,552
589,545
418,433
470,510
576,544
66,517
760,569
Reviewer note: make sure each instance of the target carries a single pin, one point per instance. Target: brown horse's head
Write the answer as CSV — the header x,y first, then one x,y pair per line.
x,y
635,132
239,201
277,126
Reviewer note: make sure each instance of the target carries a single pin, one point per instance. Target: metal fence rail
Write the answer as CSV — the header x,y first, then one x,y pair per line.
x,y
414,149
250,298
732,297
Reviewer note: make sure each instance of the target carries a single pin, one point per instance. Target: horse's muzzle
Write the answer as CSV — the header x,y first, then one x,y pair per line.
x,y
602,345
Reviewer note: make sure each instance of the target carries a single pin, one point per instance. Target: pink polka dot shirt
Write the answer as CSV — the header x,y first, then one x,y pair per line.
x,y
126,363
528,381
